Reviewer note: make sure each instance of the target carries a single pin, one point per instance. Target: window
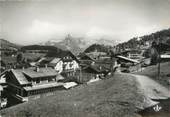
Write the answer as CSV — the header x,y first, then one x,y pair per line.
x,y
53,79
37,81
71,65
50,79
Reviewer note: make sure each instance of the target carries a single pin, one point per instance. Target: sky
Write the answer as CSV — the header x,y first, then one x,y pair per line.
x,y
34,21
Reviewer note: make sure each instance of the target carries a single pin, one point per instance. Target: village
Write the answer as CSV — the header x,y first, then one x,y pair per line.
x,y
26,77
84,58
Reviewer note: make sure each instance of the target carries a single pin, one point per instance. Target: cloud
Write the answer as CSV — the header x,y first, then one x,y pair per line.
x,y
43,28
117,19
96,32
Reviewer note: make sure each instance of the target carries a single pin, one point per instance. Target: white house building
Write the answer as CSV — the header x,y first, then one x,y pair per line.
x,y
65,63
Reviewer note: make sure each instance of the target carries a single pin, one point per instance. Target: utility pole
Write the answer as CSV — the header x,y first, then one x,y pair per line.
x,y
159,57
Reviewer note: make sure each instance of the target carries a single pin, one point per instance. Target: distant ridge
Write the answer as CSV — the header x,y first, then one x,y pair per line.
x,y
4,44
77,44
41,48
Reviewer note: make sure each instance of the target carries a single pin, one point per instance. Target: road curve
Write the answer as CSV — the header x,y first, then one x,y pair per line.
x,y
151,88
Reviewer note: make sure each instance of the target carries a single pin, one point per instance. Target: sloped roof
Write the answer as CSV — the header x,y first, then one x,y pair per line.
x,y
55,60
69,85
97,68
55,84
62,55
19,76
86,56
128,59
43,72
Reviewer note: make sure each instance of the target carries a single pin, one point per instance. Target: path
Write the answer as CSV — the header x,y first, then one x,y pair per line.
x,y
151,88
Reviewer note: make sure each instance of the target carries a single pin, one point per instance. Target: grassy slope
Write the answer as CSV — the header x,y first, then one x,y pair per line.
x,y
114,97
152,72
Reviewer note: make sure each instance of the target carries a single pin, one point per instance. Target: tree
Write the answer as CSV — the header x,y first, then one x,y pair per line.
x,y
19,58
154,54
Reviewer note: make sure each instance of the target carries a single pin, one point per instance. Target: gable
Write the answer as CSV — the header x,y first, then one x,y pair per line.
x,y
86,57
11,78
55,60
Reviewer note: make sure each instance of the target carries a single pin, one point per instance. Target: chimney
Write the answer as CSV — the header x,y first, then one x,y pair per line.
x,y
100,67
37,69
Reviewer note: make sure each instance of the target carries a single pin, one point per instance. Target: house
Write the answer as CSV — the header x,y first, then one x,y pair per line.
x,y
32,83
3,101
64,63
127,64
97,69
133,54
86,60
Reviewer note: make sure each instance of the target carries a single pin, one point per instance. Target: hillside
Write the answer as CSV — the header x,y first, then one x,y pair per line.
x,y
97,47
114,97
163,35
4,44
41,48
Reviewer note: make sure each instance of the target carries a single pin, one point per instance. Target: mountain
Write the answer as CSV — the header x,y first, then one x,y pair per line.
x,y
106,42
4,44
77,44
70,43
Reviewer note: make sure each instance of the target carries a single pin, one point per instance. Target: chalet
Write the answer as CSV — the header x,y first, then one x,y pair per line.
x,y
32,83
85,60
3,101
65,63
133,54
97,69
128,65
97,55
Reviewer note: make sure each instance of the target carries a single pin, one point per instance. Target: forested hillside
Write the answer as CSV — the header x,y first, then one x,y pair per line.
x,y
98,47
163,36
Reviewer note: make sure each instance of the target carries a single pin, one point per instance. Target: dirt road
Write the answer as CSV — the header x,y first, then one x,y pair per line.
x,y
151,88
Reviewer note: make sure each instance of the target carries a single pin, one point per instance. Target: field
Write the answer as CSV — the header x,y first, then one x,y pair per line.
x,y
113,97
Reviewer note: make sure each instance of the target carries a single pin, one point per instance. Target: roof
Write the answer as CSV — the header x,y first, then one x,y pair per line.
x,y
43,72
49,85
86,57
105,61
69,85
55,60
97,68
62,55
128,59
165,56
19,76
46,60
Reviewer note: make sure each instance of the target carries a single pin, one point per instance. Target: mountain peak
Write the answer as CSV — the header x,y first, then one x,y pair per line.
x,y
78,44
